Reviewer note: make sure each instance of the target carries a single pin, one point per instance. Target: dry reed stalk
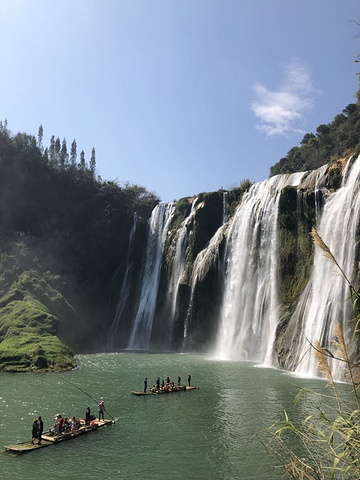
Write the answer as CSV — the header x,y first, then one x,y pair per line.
x,y
339,343
318,241
324,368
322,363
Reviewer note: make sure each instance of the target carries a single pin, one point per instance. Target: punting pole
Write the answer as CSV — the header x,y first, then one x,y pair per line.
x,y
92,398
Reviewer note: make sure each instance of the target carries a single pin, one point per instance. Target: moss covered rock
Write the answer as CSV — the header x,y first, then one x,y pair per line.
x,y
28,328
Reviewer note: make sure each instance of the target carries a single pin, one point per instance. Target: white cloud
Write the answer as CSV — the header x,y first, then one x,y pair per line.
x,y
281,111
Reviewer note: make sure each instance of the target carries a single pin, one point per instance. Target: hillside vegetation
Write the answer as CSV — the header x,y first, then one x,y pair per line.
x,y
331,141
63,232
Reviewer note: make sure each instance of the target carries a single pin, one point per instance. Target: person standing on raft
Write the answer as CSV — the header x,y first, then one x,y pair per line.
x,y
145,384
189,380
34,431
101,407
87,416
40,429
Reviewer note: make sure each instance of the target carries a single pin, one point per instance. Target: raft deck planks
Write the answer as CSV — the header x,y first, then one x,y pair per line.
x,y
47,440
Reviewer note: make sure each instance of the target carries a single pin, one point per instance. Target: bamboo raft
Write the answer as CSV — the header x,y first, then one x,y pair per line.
x,y
182,388
47,439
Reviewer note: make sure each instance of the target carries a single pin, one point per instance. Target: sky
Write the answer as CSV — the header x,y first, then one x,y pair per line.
x,y
181,97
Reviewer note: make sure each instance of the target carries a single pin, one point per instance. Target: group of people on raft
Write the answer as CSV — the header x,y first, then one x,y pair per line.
x,y
166,386
64,425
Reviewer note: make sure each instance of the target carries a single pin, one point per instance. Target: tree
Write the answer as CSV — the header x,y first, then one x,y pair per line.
x,y
82,164
52,156
40,138
46,154
3,126
57,148
323,129
92,164
349,110
307,137
73,154
64,157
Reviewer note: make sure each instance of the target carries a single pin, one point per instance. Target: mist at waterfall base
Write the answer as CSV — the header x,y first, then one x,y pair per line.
x,y
212,433
248,312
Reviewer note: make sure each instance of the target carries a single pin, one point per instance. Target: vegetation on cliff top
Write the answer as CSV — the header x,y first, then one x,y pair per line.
x,y
333,140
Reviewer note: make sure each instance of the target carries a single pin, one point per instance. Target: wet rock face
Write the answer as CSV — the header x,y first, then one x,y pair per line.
x,y
187,308
296,219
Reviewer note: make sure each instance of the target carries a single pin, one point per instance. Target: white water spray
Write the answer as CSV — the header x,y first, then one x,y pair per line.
x,y
249,313
179,260
204,260
158,228
323,301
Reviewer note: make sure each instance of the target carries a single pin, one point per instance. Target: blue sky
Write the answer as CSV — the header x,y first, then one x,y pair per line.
x,y
183,96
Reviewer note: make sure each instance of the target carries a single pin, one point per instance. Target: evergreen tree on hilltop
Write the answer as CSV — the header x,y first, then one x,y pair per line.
x,y
64,157
40,138
82,164
73,153
92,164
57,149
52,157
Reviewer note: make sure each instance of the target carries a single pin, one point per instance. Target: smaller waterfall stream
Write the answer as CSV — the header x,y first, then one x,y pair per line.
x,y
179,260
206,258
142,325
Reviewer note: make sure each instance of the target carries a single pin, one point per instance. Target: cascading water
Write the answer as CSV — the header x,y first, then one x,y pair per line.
x,y
125,286
323,302
206,258
249,313
142,325
179,260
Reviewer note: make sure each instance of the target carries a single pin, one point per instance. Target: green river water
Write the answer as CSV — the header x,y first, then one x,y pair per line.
x,y
211,433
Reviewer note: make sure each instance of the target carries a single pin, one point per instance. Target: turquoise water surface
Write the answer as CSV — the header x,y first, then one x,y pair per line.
x,y
212,433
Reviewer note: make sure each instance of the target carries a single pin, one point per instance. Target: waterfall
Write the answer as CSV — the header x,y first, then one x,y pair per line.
x,y
125,286
179,260
142,325
323,302
249,312
203,261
